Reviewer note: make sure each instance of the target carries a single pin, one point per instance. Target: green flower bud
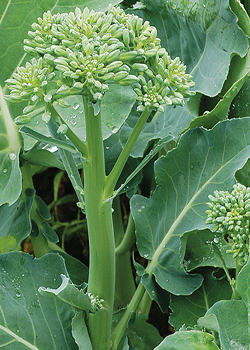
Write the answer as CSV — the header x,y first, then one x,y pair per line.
x,y
126,37
113,55
139,67
129,80
128,56
20,120
120,75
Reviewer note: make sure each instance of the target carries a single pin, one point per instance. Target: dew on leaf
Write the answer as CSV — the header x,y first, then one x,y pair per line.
x,y
5,171
76,106
114,130
12,156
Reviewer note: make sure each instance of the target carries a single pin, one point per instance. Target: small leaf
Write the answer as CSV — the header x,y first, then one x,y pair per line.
x,y
49,233
69,294
15,219
80,331
58,143
42,208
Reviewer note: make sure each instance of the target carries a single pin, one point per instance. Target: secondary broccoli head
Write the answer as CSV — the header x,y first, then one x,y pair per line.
x,y
230,213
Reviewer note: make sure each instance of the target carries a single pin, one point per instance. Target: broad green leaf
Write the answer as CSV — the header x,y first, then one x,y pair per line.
x,y
168,124
42,157
80,331
27,319
115,106
185,178
243,175
186,310
156,293
193,340
243,284
68,293
229,319
141,334
77,271
240,106
204,34
15,219
10,179
197,249
238,75
7,243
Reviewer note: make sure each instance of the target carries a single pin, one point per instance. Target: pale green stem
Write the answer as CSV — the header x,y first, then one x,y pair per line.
x,y
120,329
39,243
124,282
122,159
145,304
128,238
100,231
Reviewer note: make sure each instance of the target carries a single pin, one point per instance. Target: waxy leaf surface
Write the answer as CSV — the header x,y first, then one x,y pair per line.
x,y
186,310
203,162
193,340
10,179
29,320
204,34
229,319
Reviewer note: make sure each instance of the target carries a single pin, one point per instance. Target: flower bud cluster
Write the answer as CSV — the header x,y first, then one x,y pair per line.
x,y
29,82
96,302
230,214
87,50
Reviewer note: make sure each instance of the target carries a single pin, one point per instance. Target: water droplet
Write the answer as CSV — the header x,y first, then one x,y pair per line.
x,y
76,106
107,147
5,171
74,122
191,166
216,240
12,156
114,130
18,294
153,292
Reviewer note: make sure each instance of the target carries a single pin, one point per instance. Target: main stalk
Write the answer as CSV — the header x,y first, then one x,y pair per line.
x,y
100,230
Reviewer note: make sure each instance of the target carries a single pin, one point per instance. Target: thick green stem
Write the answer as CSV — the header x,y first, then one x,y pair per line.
x,y
39,243
122,159
120,329
100,230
